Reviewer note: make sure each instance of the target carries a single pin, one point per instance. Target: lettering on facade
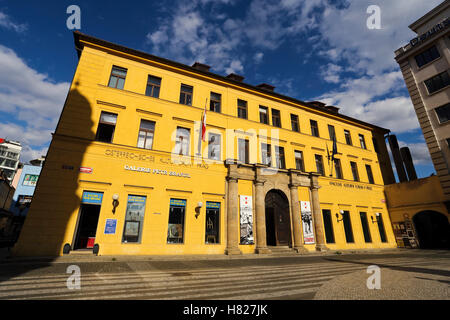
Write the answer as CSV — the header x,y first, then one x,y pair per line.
x,y
129,155
437,28
157,171
350,185
149,158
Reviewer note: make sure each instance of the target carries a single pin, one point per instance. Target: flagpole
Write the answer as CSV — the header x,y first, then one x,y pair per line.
x,y
331,172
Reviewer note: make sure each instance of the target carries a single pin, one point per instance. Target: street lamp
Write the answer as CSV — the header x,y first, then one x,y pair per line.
x,y
341,212
115,202
377,219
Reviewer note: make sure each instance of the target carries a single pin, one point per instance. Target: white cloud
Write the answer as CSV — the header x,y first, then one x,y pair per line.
x,y
372,51
330,72
30,102
235,67
189,34
257,58
8,23
364,98
28,153
374,89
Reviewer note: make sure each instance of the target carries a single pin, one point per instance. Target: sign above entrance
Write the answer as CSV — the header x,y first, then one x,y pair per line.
x,y
92,197
212,205
178,202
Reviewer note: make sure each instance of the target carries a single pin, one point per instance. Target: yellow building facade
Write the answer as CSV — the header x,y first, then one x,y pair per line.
x,y
127,171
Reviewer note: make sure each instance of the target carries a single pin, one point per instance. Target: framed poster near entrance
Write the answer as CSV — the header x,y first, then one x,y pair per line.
x,y
307,223
134,219
246,219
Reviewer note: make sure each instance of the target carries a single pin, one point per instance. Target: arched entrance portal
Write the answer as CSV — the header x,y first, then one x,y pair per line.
x,y
433,230
278,222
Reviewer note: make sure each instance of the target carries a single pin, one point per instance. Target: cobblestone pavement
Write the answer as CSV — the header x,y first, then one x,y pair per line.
x,y
414,274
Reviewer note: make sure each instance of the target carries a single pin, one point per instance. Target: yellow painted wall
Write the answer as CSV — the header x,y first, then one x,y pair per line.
x,y
54,213
412,197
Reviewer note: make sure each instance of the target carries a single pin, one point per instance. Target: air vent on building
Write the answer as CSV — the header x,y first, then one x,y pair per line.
x,y
266,86
201,66
322,105
317,104
332,109
235,77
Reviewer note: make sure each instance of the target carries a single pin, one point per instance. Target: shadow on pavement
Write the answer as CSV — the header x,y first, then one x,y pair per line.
x,y
398,268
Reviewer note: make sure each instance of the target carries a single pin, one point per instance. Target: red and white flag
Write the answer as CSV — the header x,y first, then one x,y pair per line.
x,y
204,123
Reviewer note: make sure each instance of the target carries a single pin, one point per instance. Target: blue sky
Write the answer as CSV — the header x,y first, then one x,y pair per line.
x,y
308,49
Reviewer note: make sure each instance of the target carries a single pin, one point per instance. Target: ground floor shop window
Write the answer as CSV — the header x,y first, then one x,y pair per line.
x,y
212,222
328,225
134,219
175,231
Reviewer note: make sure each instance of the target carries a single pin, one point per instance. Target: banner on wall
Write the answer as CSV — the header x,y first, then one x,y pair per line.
x,y
246,219
307,223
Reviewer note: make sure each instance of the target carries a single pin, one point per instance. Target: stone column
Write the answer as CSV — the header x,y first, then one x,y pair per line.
x,y
317,217
232,218
296,220
261,243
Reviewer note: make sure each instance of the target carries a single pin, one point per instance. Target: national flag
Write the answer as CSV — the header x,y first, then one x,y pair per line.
x,y
204,123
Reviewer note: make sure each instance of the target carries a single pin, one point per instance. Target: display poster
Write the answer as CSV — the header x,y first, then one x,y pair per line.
x,y
110,226
134,218
307,223
246,219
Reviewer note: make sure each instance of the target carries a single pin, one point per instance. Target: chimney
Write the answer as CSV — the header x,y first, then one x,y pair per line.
x,y
201,66
235,77
266,87
409,165
401,173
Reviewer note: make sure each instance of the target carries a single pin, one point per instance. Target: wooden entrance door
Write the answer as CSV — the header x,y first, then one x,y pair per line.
x,y
277,214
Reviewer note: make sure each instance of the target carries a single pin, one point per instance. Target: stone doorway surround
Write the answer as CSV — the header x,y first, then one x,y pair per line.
x,y
265,179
